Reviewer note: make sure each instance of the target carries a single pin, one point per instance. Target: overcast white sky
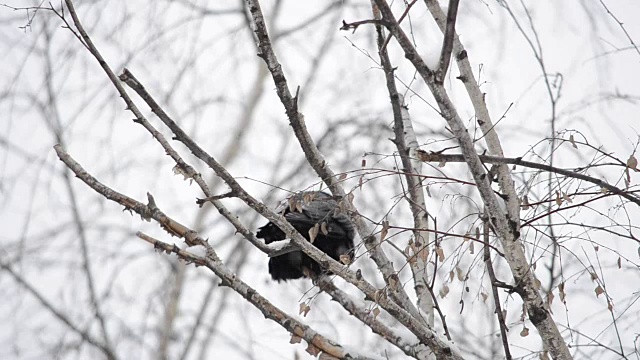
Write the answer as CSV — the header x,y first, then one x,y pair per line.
x,y
202,67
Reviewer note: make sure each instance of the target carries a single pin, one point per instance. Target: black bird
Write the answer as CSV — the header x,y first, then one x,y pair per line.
x,y
335,233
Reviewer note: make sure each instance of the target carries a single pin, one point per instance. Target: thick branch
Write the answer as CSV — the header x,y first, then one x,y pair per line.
x,y
192,238
364,315
506,225
481,111
423,333
212,261
317,161
406,143
447,44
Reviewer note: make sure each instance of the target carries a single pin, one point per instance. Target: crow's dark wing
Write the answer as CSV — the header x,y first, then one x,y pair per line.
x,y
304,211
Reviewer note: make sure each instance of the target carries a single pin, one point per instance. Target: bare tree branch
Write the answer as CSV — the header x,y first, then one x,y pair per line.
x,y
434,157
407,144
447,44
507,225
316,159
211,261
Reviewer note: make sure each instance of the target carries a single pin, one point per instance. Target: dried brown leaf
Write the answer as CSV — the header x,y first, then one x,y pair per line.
x,y
558,199
443,291
313,233
304,309
376,312
177,170
307,197
385,230
537,284
312,350
632,162
323,228
295,339
599,290
423,254
407,251
573,141
350,197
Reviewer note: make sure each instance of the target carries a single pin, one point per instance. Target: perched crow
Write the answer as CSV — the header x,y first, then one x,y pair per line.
x,y
304,210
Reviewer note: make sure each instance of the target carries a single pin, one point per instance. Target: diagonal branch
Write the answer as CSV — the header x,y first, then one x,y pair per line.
x,y
506,224
296,328
325,284
317,161
211,261
191,237
424,334
447,44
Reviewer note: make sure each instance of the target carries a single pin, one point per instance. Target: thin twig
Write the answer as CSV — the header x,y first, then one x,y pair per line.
x,y
433,157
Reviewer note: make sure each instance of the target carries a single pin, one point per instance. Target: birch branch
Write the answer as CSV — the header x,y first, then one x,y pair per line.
x,y
447,44
507,225
417,351
407,144
317,161
379,296
480,107
424,334
211,261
